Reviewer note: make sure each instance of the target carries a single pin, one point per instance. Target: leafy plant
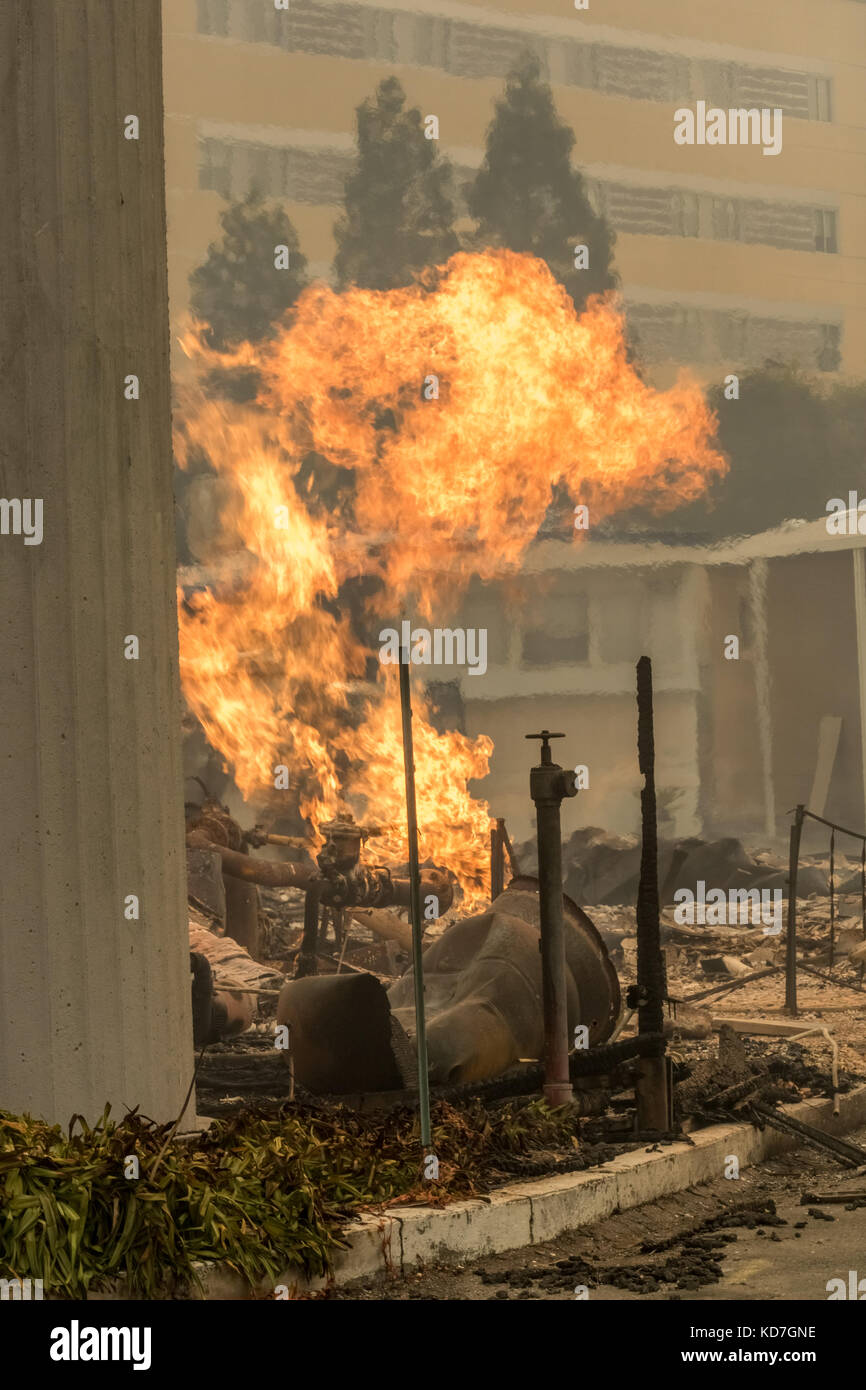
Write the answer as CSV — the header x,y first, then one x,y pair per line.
x,y
258,1193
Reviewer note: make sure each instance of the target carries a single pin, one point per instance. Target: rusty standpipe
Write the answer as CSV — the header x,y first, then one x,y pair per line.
x,y
548,784
652,1089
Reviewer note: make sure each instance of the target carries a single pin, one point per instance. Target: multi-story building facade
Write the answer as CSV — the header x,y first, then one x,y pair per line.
x,y
727,256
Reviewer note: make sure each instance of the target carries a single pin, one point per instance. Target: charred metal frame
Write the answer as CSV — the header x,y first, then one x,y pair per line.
x,y
792,965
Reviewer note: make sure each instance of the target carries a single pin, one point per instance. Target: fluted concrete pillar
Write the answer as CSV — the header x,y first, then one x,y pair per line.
x,y
94,1001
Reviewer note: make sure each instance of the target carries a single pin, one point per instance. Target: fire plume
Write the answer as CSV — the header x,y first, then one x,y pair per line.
x,y
451,407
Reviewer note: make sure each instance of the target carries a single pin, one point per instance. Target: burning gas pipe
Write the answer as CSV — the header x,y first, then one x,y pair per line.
x,y
339,881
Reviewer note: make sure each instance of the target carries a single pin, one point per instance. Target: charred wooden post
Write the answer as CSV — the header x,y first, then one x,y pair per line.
x,y
652,1091
497,859
548,784
513,866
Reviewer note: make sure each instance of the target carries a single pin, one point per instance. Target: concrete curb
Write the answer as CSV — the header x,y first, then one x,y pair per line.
x,y
527,1213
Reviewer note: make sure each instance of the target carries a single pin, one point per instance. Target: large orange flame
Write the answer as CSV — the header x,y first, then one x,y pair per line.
x,y
529,394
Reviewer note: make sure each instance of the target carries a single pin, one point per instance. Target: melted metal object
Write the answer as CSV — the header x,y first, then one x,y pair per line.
x,y
482,986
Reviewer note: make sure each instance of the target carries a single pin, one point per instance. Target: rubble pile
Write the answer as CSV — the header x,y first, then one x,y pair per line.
x,y
717,964
717,1087
740,969
601,868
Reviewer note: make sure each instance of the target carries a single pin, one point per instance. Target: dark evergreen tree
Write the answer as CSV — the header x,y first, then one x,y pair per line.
x,y
238,291
793,441
399,211
527,196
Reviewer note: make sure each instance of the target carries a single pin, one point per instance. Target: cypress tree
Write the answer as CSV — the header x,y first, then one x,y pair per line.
x,y
793,441
399,210
527,196
238,291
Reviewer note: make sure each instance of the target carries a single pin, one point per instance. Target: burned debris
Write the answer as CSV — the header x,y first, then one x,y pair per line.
x,y
335,979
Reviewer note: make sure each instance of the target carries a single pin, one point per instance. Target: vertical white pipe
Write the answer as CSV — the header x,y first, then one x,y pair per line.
x,y
758,611
859,563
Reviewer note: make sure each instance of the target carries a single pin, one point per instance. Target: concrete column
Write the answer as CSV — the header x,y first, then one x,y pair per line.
x,y
859,564
757,581
94,1005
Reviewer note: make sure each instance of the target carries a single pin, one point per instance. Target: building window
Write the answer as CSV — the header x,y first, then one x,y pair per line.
x,y
731,335
684,333
825,230
214,170
685,213
820,108
562,636
260,177
485,50
830,354
621,618
726,219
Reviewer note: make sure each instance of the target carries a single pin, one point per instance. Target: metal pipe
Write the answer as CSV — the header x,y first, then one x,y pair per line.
x,y
791,943
268,872
430,1169
369,887
832,897
307,961
728,985
520,1081
852,1155
548,784
831,979
289,841
855,834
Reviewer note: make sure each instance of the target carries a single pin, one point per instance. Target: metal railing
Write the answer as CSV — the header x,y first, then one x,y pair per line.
x,y
802,813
